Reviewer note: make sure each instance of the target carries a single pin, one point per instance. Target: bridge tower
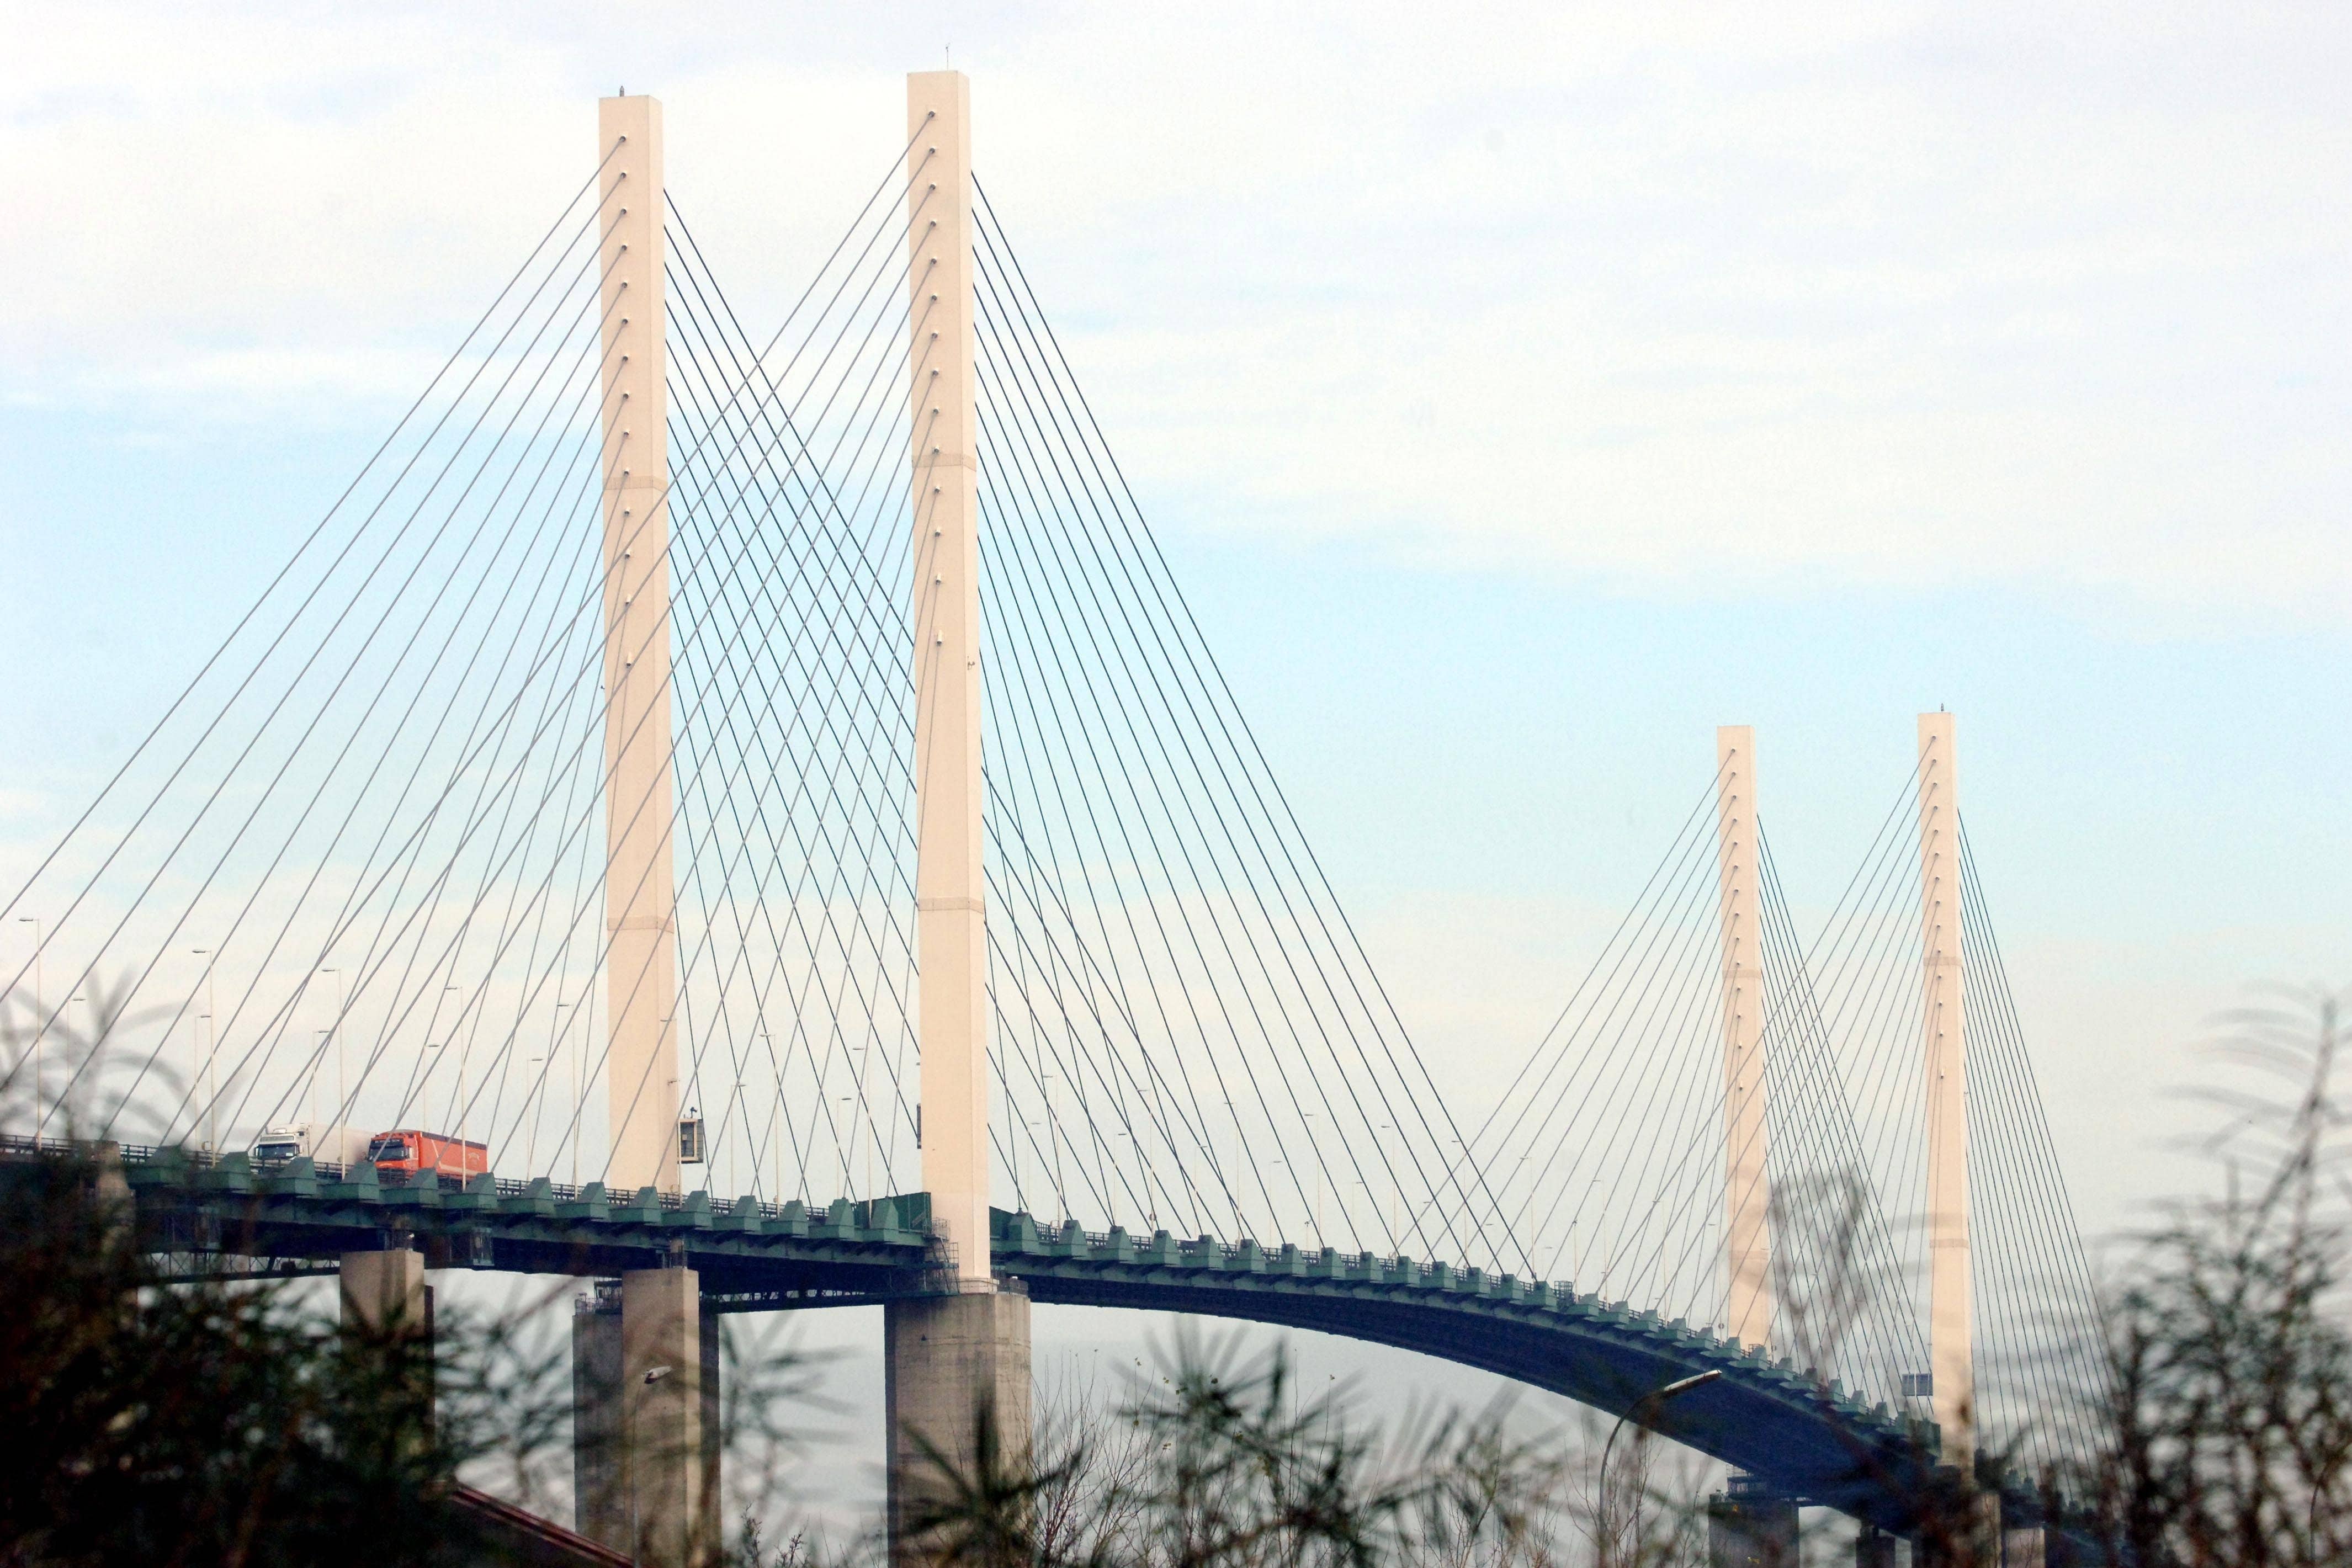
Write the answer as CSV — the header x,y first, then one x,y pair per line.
x,y
954,1363
1747,1224
648,1486
1950,1325
640,918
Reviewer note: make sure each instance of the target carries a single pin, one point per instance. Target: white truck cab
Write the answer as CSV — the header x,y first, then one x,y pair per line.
x,y
279,1145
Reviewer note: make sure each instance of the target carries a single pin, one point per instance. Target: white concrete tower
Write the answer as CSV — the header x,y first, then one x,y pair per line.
x,y
1950,1325
953,1364
1747,1224
641,960
655,1398
949,923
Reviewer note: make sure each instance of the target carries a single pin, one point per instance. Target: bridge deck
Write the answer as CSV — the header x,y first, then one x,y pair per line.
x,y
1763,1417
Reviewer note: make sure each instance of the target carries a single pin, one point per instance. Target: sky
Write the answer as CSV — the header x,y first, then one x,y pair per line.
x,y
1520,392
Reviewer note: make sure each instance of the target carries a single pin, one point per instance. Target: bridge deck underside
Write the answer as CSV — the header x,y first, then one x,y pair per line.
x,y
1763,1417
1748,1423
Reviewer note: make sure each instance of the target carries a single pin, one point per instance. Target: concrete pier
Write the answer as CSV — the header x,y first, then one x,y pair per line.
x,y
599,1507
647,1438
1750,1526
952,1367
387,1305
385,1291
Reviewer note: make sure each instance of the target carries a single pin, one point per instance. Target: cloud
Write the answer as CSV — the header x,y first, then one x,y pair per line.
x,y
1688,302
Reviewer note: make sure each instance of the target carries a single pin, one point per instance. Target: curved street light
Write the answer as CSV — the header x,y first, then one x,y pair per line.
x,y
1655,1397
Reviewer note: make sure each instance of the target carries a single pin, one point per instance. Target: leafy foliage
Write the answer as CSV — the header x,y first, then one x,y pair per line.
x,y
226,1422
2228,1345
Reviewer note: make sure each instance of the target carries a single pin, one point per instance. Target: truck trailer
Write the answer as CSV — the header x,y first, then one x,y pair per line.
x,y
411,1153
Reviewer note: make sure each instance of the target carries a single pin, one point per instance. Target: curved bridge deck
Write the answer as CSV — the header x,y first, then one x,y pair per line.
x,y
1762,1417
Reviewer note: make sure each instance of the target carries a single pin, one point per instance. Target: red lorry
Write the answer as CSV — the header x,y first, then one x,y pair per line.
x,y
409,1152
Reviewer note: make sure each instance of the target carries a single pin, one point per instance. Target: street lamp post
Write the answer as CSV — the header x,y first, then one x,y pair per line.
x,y
775,1123
538,1091
1318,1176
864,1126
324,1036
89,1025
212,1043
563,1042
1525,1242
734,1173
342,1089
457,1094
1650,1401
40,1023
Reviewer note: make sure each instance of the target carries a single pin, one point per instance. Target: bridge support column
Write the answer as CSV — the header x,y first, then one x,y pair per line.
x,y
388,1307
1950,1325
2025,1548
1873,1547
1747,1234
660,1493
956,1366
1963,1527
955,1378
599,1490
1749,1526
385,1293
641,1077
646,1423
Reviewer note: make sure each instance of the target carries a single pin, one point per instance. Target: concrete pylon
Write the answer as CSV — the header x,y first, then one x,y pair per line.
x,y
1873,1548
606,1415
950,919
655,1493
1747,1225
385,1291
957,1364
600,1491
955,1382
641,956
2027,1546
1749,1527
388,1308
668,1480
1950,1323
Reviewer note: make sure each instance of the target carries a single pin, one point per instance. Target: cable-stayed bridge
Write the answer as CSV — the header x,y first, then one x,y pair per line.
x,y
755,808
